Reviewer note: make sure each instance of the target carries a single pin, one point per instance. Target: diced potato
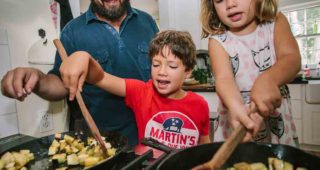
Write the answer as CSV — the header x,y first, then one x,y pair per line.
x,y
55,143
82,158
242,166
25,151
111,151
258,166
23,168
20,159
62,168
52,150
90,151
12,168
78,145
7,158
31,156
107,144
74,149
72,159
61,158
90,161
287,166
63,144
58,136
68,139
10,165
1,164
68,149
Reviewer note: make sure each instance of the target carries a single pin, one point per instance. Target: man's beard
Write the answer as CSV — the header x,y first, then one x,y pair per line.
x,y
113,13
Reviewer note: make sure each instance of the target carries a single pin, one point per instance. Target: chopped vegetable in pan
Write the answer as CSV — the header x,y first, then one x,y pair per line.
x,y
77,152
16,160
273,164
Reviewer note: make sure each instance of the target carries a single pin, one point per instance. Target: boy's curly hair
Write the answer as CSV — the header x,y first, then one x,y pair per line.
x,y
179,43
265,11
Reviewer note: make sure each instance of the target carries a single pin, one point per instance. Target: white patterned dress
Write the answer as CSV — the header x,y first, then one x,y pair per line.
x,y
250,56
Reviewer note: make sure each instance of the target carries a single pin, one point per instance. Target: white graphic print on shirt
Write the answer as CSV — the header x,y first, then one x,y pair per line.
x,y
173,129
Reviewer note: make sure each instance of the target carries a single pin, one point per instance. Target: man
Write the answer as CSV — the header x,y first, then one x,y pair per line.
x,y
117,36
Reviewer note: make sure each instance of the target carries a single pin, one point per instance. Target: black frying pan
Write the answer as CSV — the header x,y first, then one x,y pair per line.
x,y
248,152
39,147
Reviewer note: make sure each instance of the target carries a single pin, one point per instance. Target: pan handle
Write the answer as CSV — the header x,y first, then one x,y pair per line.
x,y
156,144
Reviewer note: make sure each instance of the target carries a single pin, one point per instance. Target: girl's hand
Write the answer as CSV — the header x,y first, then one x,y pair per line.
x,y
266,94
252,121
78,68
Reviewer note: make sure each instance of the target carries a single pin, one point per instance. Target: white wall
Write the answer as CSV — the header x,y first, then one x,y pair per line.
x,y
22,19
8,111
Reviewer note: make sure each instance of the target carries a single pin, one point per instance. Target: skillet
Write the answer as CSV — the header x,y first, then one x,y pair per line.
x,y
39,147
249,152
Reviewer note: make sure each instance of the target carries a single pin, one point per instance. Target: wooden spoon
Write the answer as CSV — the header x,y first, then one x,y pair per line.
x,y
225,151
90,122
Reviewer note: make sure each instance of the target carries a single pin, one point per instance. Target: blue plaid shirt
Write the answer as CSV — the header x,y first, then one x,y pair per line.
x,y
123,54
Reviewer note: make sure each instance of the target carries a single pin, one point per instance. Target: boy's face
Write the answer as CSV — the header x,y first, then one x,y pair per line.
x,y
168,74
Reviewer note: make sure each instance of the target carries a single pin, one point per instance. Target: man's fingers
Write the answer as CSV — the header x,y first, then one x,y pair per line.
x,y
30,82
6,85
18,81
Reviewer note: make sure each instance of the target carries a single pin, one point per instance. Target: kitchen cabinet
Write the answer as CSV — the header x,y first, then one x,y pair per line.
x,y
311,114
306,114
212,99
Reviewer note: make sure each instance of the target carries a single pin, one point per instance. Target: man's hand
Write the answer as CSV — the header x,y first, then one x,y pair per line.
x,y
20,82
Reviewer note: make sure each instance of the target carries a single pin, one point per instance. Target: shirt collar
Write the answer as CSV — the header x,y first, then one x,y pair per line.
x,y
90,16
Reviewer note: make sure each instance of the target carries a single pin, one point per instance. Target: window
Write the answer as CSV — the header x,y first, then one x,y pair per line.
x,y
305,26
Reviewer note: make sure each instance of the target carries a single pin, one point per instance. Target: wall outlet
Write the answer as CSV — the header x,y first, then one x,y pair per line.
x,y
46,122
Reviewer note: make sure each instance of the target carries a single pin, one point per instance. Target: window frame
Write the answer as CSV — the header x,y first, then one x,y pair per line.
x,y
303,6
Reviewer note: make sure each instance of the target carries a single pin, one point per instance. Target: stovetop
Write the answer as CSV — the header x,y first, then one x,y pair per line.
x,y
13,140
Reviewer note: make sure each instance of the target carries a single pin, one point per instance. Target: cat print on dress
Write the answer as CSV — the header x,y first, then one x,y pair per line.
x,y
235,63
262,134
222,37
262,58
276,125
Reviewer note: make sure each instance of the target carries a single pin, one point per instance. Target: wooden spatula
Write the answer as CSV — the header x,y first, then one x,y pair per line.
x,y
90,122
225,151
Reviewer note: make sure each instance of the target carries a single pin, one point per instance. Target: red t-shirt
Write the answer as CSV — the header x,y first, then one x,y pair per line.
x,y
175,123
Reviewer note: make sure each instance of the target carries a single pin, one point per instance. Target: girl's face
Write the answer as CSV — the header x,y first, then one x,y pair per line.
x,y
237,15
168,74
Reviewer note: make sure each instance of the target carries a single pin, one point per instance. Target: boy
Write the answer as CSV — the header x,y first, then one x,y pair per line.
x,y
163,110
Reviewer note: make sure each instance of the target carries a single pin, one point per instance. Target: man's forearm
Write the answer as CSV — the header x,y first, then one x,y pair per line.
x,y
50,88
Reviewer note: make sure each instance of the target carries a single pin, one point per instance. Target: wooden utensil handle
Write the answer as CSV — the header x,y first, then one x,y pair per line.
x,y
227,148
87,116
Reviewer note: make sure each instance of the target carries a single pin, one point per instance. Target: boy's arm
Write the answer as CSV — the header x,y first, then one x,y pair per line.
x,y
80,67
265,92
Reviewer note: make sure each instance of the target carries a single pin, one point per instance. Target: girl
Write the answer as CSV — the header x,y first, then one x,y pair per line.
x,y
253,55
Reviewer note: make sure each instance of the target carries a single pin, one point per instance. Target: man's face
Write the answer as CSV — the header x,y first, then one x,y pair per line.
x,y
110,9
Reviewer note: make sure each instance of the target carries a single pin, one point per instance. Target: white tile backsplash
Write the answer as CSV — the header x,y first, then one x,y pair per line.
x,y
9,124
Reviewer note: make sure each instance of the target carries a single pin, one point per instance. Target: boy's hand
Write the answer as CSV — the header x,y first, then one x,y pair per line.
x,y
266,94
77,68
